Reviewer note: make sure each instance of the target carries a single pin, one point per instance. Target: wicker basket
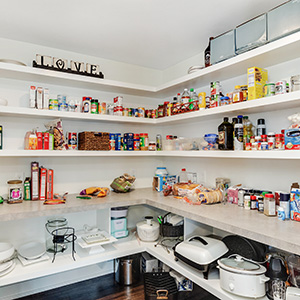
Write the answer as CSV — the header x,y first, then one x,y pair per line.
x,y
167,230
90,140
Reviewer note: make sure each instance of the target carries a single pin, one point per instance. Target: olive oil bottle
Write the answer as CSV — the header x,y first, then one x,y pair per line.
x,y
225,131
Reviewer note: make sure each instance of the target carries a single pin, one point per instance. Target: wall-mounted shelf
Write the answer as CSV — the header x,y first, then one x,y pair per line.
x,y
276,52
278,102
272,154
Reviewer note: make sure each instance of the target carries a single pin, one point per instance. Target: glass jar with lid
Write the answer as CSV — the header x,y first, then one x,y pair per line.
x,y
269,205
56,226
15,191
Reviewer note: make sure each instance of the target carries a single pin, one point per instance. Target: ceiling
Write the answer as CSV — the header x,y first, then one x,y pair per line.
x,y
150,33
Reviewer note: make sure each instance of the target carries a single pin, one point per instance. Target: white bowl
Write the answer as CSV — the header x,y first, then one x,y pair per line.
x,y
6,250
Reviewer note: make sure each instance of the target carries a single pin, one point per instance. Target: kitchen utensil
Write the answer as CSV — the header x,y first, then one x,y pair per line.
x,y
118,212
294,270
148,230
278,275
242,277
241,246
6,250
32,250
200,252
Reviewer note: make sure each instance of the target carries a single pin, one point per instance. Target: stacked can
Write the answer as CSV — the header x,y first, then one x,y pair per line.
x,y
118,106
112,142
215,89
136,142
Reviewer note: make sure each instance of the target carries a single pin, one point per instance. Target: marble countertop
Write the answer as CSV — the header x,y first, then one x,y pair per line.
x,y
231,218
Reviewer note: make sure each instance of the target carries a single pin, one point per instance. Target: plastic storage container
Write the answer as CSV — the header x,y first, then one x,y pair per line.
x,y
251,34
284,20
222,47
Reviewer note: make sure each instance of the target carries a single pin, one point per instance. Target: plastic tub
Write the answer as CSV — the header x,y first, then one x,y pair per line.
x,y
118,212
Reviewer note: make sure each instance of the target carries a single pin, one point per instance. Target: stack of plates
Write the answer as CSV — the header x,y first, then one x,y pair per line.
x,y
7,255
32,250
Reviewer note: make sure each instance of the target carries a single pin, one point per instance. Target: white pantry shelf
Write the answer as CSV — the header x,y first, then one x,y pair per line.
x,y
74,153
50,114
72,80
274,154
276,52
278,102
273,53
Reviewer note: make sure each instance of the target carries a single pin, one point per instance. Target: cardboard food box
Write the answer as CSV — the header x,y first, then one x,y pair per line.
x,y
295,204
161,182
256,78
292,139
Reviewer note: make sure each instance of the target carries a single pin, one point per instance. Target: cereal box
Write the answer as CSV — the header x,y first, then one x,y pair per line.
x,y
292,139
257,78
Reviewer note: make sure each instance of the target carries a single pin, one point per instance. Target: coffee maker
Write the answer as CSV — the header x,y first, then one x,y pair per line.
x,y
277,272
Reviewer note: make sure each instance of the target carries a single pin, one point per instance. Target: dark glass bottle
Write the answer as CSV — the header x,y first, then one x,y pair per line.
x,y
225,131
207,54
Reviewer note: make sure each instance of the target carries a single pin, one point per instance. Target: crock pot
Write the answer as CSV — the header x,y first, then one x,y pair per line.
x,y
242,277
148,230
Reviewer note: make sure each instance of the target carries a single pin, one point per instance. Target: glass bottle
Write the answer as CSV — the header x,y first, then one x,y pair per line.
x,y
248,130
238,134
207,54
185,96
225,131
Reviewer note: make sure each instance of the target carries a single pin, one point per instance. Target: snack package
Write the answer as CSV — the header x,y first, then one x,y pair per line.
x,y
123,184
95,191
59,138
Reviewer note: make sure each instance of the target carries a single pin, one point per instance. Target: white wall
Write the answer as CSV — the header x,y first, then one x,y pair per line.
x,y
25,52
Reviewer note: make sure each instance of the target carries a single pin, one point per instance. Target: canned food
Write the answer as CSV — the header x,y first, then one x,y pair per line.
x,y
144,141
269,89
62,103
136,142
280,87
154,114
141,112
152,146
117,137
53,104
112,142
248,146
160,111
86,104
118,110
118,101
94,106
72,140
169,109
148,113
125,112
102,108
129,112
135,112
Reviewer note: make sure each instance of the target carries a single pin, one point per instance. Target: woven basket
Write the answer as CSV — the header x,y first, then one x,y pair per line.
x,y
171,231
90,140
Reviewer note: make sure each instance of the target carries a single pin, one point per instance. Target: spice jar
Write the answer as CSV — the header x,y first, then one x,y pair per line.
x,y
144,142
253,202
237,95
169,109
166,108
269,205
260,200
271,140
15,191
152,146
247,201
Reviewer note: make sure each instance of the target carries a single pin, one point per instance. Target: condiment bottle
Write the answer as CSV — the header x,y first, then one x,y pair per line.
x,y
207,54
238,134
247,201
269,205
185,96
271,140
253,203
260,200
237,95
261,127
225,131
285,204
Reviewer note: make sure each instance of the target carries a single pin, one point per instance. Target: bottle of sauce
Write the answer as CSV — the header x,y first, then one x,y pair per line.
x,y
185,98
238,134
261,127
225,131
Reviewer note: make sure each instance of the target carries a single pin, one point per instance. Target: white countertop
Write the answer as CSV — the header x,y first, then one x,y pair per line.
x,y
231,218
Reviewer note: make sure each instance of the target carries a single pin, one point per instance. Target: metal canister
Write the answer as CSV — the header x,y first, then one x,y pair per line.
x,y
136,142
269,89
110,109
158,142
141,112
94,106
72,140
280,87
295,83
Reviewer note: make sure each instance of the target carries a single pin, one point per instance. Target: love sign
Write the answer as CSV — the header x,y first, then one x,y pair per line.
x,y
60,64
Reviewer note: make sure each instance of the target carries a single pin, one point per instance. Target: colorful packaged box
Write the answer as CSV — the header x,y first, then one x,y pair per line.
x,y
46,140
27,192
39,136
295,204
32,97
49,189
34,181
161,182
233,194
43,183
39,98
46,98
292,139
256,78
